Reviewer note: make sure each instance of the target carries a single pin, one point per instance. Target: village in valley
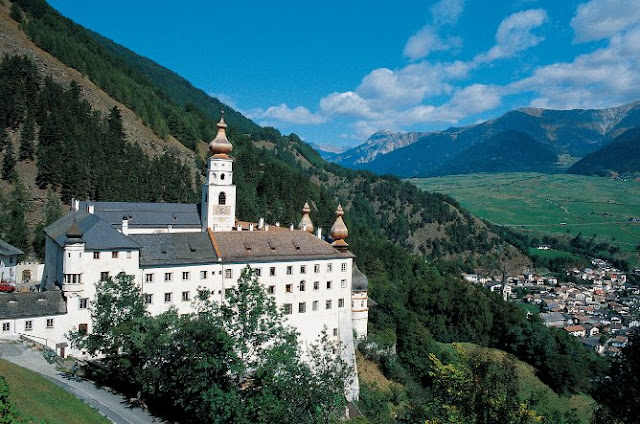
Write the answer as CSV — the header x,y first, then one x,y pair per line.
x,y
596,304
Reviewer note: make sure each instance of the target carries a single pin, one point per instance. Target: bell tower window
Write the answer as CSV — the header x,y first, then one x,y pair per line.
x,y
222,176
222,199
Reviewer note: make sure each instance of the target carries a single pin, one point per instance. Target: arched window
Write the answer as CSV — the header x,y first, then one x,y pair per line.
x,y
222,199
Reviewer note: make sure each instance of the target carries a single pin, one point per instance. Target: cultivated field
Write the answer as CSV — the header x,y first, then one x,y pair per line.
x,y
550,203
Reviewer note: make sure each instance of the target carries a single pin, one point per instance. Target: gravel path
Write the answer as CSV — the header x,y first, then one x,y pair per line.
x,y
112,405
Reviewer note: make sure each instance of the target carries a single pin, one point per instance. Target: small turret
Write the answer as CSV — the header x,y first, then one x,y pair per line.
x,y
305,223
339,231
220,146
74,233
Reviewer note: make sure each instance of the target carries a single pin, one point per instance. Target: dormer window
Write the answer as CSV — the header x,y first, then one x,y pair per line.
x,y
222,198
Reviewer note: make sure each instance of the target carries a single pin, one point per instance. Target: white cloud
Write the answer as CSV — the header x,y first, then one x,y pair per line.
x,y
282,113
447,11
515,35
600,19
606,77
384,89
428,39
465,102
346,104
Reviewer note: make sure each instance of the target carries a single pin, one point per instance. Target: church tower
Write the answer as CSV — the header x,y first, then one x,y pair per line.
x,y
218,192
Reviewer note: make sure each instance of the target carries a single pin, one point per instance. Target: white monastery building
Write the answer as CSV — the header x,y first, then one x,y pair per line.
x,y
174,249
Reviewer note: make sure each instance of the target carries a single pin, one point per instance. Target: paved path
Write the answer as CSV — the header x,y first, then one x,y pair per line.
x,y
112,405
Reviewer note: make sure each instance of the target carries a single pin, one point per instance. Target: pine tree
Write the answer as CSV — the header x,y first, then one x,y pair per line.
x,y
27,137
9,163
4,139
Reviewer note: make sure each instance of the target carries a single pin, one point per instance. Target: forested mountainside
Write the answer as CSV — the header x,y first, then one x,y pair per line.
x,y
508,151
411,244
564,132
621,156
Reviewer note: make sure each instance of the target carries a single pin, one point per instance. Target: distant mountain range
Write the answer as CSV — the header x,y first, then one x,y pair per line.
x,y
621,155
518,140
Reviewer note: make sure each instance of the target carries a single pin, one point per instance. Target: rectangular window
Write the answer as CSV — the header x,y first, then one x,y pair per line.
x,y
343,283
303,269
203,275
271,289
302,307
335,331
314,305
128,254
227,293
286,308
83,303
114,255
258,272
272,271
6,326
167,276
228,273
328,285
148,298
289,270
329,267
316,268
83,329
49,322
28,325
148,278
302,285
186,296
316,285
167,297
96,255
327,304
343,267
185,275
340,303
104,275
288,288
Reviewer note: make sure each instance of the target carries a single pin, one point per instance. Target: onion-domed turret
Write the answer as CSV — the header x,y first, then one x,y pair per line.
x,y
339,231
220,145
305,222
74,233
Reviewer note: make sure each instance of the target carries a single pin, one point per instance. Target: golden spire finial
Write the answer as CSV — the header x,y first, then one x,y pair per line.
x,y
306,223
339,231
220,145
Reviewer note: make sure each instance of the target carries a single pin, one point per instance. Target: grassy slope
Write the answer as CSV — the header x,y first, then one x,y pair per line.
x,y
548,400
529,384
544,203
37,399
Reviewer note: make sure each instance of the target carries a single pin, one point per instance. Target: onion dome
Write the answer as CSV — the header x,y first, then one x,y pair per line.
x,y
220,146
305,222
339,231
74,233
359,281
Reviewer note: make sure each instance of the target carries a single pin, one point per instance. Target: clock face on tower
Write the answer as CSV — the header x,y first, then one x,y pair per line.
x,y
222,210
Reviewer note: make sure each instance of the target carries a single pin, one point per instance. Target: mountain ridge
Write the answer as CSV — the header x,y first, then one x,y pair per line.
x,y
576,132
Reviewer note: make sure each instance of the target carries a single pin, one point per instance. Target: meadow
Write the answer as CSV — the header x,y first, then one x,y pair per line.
x,y
556,204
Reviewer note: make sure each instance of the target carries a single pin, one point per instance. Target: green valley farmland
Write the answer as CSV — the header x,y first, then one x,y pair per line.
x,y
556,204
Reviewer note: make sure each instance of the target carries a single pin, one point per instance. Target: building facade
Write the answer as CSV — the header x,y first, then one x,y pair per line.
x,y
172,250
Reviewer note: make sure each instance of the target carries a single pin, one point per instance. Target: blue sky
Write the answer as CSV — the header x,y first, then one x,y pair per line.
x,y
334,72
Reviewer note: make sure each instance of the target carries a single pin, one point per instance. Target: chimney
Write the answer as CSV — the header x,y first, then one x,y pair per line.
x,y
239,227
319,233
91,209
266,227
75,205
291,227
125,225
304,227
277,223
250,227
260,223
